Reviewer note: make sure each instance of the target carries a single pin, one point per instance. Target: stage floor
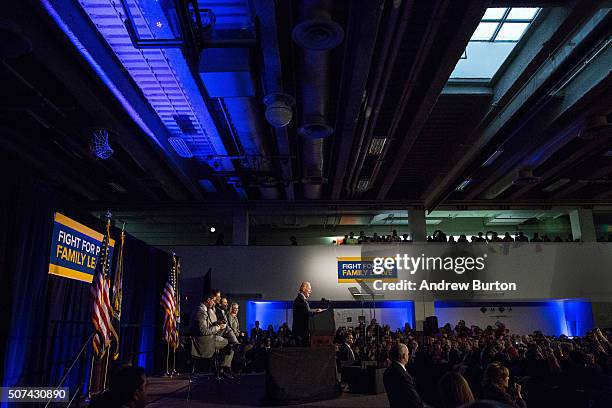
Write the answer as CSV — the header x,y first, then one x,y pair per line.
x,y
248,391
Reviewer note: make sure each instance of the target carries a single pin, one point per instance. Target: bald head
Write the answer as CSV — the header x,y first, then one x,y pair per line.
x,y
306,289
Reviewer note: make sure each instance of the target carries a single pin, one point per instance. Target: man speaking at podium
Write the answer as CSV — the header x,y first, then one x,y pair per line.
x,y
301,314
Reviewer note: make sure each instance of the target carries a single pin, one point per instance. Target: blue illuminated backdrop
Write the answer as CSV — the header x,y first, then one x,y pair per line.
x,y
570,317
394,313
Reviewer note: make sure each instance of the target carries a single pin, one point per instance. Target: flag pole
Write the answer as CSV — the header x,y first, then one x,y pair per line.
x,y
93,356
167,359
174,372
106,368
178,311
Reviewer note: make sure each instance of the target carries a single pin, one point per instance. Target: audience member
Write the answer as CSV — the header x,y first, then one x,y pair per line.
x,y
495,386
399,384
454,390
127,388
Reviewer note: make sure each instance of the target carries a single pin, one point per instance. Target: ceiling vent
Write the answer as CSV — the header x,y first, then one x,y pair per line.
x,y
278,109
525,178
185,124
318,34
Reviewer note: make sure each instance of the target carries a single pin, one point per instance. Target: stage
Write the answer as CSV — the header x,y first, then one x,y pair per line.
x,y
248,391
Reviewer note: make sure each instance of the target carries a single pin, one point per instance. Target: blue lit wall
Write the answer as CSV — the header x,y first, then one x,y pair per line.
x,y
572,317
394,313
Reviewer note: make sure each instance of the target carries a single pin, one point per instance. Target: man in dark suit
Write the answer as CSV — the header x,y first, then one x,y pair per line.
x,y
346,355
257,333
399,385
301,314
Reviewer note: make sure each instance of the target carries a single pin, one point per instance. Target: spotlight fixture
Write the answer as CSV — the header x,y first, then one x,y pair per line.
x,y
212,229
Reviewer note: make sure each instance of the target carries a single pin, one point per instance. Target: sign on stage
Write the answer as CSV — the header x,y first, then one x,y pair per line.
x,y
75,249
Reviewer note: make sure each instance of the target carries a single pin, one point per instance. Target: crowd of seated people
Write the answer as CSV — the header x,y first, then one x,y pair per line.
x,y
441,236
462,363
491,363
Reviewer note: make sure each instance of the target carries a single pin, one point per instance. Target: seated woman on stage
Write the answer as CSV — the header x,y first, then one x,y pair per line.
x,y
233,322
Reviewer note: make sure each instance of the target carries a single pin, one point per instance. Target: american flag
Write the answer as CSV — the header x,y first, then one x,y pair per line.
x,y
101,312
168,303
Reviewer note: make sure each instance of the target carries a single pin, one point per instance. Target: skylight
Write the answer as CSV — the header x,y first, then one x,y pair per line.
x,y
498,32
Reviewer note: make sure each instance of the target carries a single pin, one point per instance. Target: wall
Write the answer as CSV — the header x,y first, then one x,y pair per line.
x,y
394,313
542,271
553,317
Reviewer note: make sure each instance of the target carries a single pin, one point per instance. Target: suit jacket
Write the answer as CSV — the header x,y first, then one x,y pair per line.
x,y
301,313
257,334
221,314
400,387
203,331
345,353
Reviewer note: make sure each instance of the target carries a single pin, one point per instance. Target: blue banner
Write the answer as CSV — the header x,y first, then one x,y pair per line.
x,y
351,268
75,249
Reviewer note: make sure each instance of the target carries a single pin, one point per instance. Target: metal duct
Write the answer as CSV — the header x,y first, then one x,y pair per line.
x,y
317,35
243,116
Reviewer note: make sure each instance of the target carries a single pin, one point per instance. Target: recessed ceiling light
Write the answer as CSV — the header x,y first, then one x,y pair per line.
x,y
493,157
463,185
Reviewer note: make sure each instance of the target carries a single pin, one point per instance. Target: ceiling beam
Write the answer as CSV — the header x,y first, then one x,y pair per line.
x,y
512,102
323,207
583,89
577,185
360,43
35,156
467,88
574,159
65,126
396,26
414,123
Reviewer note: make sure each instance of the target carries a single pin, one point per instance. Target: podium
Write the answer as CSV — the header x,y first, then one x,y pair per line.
x,y
322,328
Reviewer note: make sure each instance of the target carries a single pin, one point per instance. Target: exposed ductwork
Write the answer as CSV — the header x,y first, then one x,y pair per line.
x,y
317,35
243,115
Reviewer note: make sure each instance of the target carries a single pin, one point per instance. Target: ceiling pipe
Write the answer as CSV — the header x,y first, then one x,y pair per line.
x,y
317,34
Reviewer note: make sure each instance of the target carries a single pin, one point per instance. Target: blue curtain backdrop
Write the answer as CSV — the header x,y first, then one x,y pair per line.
x,y
46,318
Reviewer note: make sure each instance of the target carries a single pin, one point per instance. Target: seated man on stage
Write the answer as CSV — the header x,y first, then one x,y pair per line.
x,y
301,314
221,312
207,332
